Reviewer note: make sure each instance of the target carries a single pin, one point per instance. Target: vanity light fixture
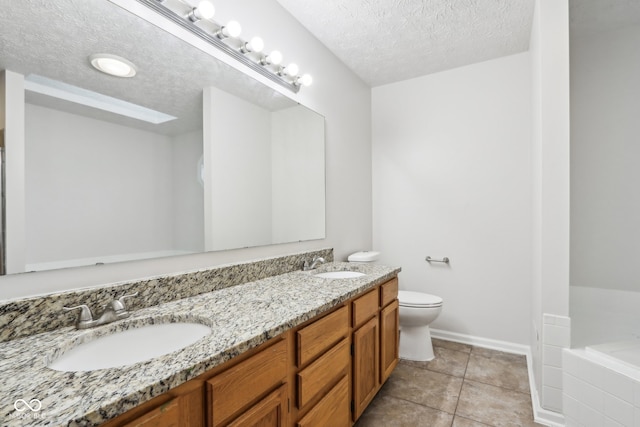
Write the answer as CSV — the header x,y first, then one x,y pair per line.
x,y
226,38
113,65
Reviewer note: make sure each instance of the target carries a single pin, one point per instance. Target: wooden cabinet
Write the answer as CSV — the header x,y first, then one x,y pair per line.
x,y
322,373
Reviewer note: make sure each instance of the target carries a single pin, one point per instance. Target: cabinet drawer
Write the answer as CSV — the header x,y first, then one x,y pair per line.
x,y
323,372
270,411
365,307
319,336
388,292
238,386
333,410
165,415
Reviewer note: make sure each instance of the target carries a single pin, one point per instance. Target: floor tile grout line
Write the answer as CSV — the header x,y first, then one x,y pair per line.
x,y
421,404
473,380
475,421
455,411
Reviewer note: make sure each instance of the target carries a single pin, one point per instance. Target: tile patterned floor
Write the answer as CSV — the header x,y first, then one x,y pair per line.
x,y
464,386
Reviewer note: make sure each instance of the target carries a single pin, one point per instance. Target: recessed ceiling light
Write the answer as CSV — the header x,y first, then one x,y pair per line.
x,y
113,65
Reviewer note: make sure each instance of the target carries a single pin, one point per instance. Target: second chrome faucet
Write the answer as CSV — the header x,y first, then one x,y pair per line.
x,y
314,263
115,310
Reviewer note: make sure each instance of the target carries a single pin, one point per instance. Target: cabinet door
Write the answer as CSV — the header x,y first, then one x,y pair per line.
x,y
365,365
389,334
269,412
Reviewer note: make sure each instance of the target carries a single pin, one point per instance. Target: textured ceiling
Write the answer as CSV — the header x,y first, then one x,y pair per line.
x,y
55,38
589,17
385,41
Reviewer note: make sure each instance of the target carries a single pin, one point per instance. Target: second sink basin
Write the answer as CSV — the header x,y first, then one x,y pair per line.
x,y
344,274
130,346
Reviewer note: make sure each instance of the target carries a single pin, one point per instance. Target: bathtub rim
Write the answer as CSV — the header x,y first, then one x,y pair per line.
x,y
597,353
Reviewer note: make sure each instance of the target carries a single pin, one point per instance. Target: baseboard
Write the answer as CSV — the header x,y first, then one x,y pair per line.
x,y
541,415
507,347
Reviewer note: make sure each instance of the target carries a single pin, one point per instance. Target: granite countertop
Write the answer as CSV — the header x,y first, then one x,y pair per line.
x,y
241,317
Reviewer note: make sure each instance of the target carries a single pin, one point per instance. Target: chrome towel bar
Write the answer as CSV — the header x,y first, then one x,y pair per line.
x,y
445,259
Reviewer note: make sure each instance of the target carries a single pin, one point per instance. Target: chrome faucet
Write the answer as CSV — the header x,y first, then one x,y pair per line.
x,y
314,263
115,310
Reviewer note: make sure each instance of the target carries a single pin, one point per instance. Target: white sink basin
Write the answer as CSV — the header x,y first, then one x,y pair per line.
x,y
131,346
339,274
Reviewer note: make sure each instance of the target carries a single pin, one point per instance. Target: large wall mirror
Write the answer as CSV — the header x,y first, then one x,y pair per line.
x,y
189,155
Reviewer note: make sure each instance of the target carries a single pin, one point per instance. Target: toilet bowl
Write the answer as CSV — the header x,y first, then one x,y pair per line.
x,y
417,311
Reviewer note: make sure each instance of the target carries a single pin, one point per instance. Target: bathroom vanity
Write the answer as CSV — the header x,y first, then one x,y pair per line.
x,y
292,349
322,373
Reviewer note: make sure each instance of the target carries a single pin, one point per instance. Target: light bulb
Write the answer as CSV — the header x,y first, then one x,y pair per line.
x,y
305,80
291,70
204,10
274,58
256,45
232,29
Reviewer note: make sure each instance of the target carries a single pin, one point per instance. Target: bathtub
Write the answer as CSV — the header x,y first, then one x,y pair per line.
x,y
601,385
601,372
622,355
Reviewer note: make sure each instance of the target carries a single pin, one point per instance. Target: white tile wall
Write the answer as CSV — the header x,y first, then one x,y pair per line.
x,y
594,395
556,336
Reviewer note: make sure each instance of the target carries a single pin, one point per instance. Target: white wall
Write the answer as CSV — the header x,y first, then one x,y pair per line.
x,y
337,94
94,189
238,172
601,315
550,141
297,150
188,192
605,201
452,174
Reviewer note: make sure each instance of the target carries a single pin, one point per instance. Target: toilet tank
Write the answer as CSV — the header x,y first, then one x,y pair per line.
x,y
364,256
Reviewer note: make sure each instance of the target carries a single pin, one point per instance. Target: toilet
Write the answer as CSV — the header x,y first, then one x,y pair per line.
x,y
417,311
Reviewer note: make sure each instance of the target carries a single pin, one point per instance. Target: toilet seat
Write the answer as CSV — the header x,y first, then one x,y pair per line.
x,y
418,299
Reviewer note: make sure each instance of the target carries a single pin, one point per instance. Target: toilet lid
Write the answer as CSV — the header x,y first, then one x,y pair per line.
x,y
418,299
